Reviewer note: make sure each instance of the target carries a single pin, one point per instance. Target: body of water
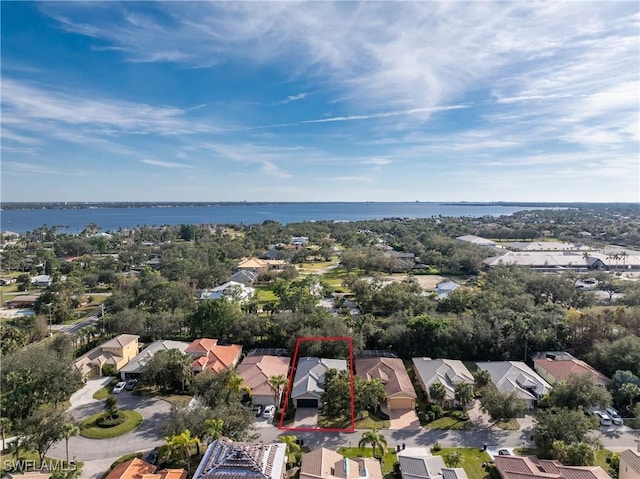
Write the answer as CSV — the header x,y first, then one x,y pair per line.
x,y
110,219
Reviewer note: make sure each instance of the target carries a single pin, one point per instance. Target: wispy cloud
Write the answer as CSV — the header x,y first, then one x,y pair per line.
x,y
292,98
165,164
29,168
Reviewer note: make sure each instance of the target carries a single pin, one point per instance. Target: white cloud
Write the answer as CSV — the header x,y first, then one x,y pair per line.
x,y
165,164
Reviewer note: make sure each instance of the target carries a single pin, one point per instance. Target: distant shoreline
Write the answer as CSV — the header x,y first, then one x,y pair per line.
x,y
182,204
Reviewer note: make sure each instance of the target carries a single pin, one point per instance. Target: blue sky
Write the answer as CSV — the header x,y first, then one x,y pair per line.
x,y
347,101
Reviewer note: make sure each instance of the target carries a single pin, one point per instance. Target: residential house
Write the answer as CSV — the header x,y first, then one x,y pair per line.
x,y
308,382
630,463
226,459
516,376
445,288
231,290
530,467
545,246
565,260
42,281
207,354
327,464
245,277
22,301
477,240
448,372
7,281
418,463
138,469
299,241
260,266
392,373
256,371
116,352
135,367
557,366
402,261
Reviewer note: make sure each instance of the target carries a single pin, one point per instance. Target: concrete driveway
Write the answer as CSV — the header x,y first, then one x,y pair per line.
x,y
306,417
145,437
402,419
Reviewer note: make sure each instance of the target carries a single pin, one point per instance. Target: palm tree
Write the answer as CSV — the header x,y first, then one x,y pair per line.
x,y
623,256
376,440
277,383
235,385
464,393
437,393
214,429
69,429
182,443
452,458
482,378
292,446
5,424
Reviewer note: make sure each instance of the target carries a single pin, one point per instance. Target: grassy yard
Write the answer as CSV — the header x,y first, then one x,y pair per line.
x,y
447,423
103,392
312,268
369,421
510,425
264,295
90,429
388,460
472,460
179,400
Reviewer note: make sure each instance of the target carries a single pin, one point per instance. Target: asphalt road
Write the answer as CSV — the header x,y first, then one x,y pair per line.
x,y
98,454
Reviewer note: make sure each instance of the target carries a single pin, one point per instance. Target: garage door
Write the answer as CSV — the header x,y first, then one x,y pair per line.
x,y
401,403
307,403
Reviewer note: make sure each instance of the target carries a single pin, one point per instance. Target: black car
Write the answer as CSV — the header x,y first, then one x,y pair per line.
x,y
152,457
131,383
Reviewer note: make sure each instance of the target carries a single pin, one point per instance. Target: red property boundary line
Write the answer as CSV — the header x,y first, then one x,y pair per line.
x,y
349,340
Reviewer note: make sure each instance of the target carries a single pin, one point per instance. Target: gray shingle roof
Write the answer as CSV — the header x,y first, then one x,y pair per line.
x,y
310,373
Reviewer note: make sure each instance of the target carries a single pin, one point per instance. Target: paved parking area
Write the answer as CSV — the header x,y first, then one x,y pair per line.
x,y
403,419
306,417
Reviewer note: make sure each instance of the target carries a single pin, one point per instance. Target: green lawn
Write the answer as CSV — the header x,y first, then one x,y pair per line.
x,y
472,460
369,421
388,460
102,393
264,295
448,423
91,430
510,425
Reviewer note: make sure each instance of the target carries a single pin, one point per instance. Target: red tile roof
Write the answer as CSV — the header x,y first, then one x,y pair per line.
x,y
561,369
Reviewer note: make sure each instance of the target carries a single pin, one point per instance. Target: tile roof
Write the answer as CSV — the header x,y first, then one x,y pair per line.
x,y
632,458
530,467
327,464
561,369
310,373
138,363
202,345
208,354
391,372
226,459
131,469
448,372
256,371
418,463
516,376
120,341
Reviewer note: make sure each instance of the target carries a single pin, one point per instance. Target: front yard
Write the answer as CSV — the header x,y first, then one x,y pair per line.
x,y
448,423
472,460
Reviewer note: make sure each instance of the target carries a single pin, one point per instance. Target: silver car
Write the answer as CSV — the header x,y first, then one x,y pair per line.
x,y
614,415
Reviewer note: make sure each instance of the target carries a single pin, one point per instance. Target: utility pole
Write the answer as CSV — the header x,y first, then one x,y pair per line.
x,y
102,316
50,331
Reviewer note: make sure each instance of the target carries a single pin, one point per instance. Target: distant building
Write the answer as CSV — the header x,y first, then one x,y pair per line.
x,y
445,288
231,290
476,240
207,354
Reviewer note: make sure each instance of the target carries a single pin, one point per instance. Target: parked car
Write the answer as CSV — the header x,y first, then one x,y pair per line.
x,y
152,457
256,410
604,418
118,388
269,412
131,383
504,452
614,415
